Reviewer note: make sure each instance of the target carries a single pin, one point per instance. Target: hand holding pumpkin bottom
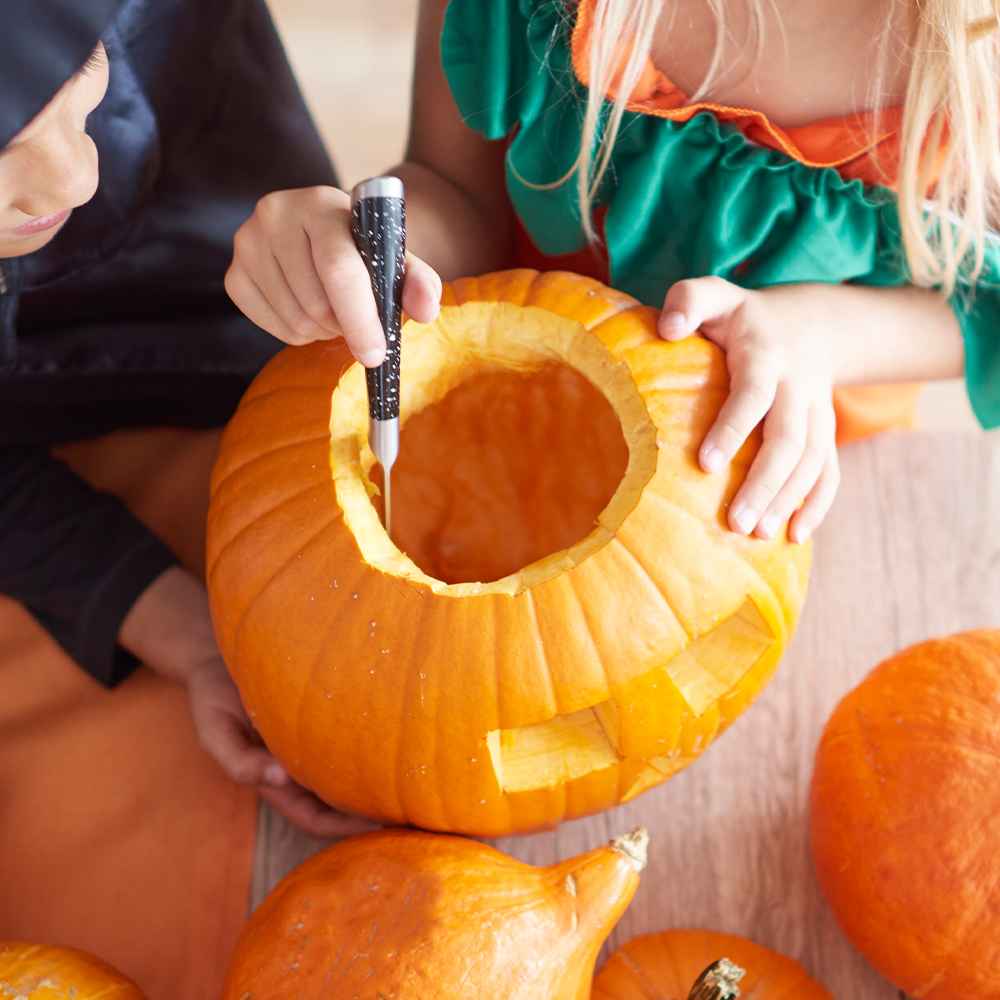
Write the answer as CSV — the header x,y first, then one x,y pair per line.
x,y
169,628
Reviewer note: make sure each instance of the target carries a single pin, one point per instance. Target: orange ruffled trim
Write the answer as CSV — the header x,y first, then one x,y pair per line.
x,y
850,145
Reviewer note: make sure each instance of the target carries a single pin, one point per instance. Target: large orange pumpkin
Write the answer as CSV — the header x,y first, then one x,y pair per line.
x,y
905,812
665,966
403,914
43,972
566,620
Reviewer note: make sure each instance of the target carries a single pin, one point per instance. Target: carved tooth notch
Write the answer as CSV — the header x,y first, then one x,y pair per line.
x,y
550,753
713,664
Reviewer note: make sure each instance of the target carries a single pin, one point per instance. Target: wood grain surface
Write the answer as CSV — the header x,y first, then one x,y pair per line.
x,y
910,550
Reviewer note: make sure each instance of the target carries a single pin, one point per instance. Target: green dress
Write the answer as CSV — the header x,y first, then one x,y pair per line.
x,y
683,199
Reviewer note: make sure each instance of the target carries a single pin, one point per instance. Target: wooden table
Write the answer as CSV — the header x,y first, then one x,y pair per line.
x,y
910,550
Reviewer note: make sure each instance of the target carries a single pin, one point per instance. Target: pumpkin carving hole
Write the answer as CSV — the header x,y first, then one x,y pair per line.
x,y
506,469
550,753
713,664
553,752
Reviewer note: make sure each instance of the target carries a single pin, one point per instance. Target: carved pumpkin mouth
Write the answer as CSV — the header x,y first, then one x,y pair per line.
x,y
569,746
486,402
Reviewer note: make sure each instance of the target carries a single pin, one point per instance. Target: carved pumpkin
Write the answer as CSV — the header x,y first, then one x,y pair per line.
x,y
40,972
401,913
567,620
905,812
665,966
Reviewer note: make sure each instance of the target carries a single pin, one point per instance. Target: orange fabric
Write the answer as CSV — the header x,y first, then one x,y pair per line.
x,y
117,833
865,410
851,144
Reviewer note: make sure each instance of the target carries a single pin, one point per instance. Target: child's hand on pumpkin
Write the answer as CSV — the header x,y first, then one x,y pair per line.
x,y
781,372
170,629
297,274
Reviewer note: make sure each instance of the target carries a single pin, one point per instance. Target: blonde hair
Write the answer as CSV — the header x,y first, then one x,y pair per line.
x,y
954,85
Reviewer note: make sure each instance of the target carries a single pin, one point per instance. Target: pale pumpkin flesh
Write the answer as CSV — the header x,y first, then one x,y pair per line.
x,y
441,681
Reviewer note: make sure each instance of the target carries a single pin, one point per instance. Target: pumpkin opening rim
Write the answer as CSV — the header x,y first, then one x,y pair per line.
x,y
464,341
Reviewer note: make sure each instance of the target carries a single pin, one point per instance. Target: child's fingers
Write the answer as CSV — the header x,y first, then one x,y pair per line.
x,y
226,739
819,443
252,302
311,814
421,290
785,431
269,277
695,301
817,504
348,287
753,385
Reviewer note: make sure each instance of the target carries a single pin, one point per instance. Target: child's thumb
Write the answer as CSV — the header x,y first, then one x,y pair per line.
x,y
694,301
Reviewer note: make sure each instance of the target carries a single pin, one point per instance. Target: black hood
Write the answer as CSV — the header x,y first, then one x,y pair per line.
x,y
42,44
202,117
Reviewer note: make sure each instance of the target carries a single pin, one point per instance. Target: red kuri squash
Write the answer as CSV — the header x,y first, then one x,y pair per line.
x,y
905,814
403,914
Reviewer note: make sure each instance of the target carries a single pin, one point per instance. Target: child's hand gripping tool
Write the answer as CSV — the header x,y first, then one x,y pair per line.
x,y
378,227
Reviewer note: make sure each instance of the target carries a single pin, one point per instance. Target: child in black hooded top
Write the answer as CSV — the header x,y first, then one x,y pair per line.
x,y
116,226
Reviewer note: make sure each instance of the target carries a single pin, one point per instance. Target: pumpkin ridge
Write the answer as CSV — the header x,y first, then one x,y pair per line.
x,y
238,537
314,667
643,334
412,683
645,572
550,682
739,553
609,683
266,456
235,429
283,388
266,586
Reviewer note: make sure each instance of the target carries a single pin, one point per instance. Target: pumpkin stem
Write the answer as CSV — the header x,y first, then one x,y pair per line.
x,y
718,982
634,846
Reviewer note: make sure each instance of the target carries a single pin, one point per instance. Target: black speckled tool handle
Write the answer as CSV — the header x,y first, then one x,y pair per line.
x,y
379,230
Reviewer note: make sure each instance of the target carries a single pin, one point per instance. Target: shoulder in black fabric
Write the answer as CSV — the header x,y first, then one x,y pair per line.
x,y
202,118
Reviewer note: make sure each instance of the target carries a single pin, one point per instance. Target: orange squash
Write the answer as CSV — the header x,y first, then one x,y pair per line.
x,y
665,966
41,972
565,619
905,813
402,913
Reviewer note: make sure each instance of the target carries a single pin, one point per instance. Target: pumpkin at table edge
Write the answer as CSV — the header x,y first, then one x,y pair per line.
x,y
47,972
905,817
403,913
665,965
394,695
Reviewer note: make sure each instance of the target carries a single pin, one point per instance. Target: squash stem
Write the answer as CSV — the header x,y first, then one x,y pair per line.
x,y
718,982
634,846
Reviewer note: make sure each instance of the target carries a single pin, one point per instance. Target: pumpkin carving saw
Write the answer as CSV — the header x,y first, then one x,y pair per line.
x,y
562,618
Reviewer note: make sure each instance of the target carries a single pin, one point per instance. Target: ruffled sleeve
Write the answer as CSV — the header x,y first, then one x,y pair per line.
x,y
683,198
495,58
508,64
978,313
